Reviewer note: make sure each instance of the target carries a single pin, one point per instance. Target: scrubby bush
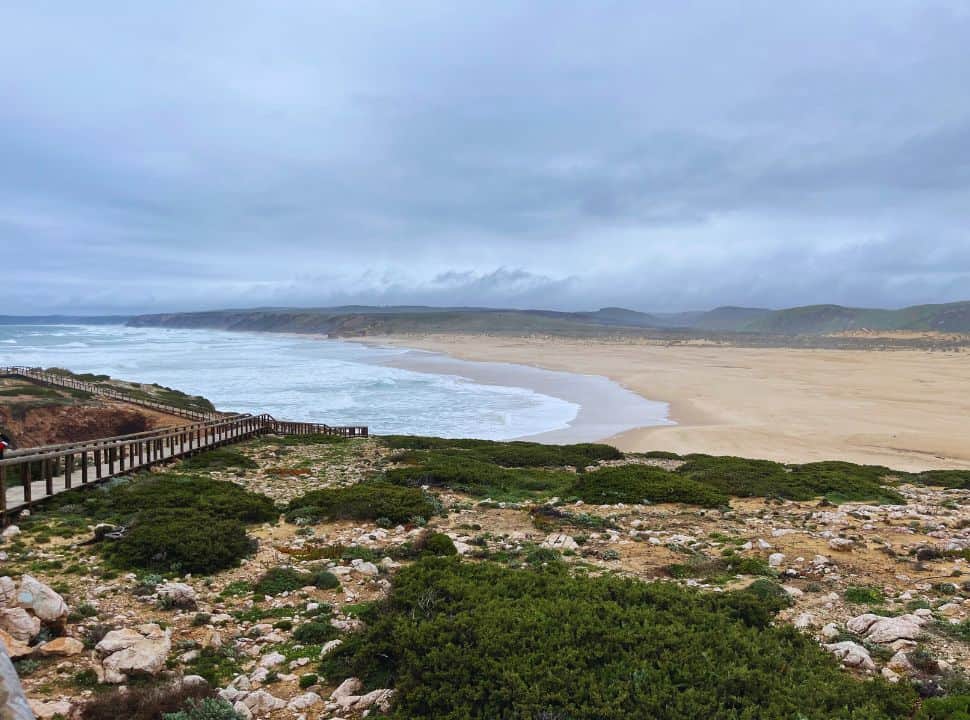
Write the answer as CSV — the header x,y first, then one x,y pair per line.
x,y
476,477
324,580
283,579
955,479
464,640
314,633
220,459
279,580
149,702
208,709
845,482
956,707
863,595
185,541
512,454
642,483
437,544
308,680
146,493
363,501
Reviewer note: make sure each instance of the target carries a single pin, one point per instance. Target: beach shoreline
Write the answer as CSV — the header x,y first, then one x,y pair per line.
x,y
904,409
605,408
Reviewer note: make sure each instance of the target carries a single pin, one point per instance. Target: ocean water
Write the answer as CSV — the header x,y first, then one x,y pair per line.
x,y
293,378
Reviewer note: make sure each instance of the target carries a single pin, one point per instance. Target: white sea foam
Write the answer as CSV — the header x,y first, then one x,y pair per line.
x,y
294,378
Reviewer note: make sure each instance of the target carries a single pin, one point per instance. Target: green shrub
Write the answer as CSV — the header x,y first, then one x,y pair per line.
x,y
438,544
324,580
208,709
283,579
955,707
314,633
220,459
511,454
846,482
308,680
363,501
279,580
864,595
149,702
955,479
185,541
465,473
476,640
147,493
643,483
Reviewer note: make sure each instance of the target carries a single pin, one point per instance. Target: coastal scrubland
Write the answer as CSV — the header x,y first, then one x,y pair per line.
x,y
414,577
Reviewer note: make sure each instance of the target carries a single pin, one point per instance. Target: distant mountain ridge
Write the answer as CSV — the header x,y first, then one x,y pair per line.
x,y
372,320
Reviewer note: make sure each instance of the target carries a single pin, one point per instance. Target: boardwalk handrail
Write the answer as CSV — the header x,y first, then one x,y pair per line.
x,y
67,381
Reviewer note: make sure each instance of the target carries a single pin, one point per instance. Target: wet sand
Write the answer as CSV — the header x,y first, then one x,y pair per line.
x,y
906,409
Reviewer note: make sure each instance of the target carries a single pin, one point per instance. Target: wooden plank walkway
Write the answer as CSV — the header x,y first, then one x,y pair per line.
x,y
32,474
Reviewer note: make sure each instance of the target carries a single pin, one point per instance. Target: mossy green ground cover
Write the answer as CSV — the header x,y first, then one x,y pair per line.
x,y
462,640
520,471
363,501
173,522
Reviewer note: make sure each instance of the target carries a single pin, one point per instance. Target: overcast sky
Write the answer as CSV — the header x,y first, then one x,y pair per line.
x,y
654,155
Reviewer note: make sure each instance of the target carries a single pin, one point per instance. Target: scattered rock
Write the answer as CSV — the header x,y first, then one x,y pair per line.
x,y
19,623
43,602
47,710
560,541
852,655
127,651
15,649
841,544
62,646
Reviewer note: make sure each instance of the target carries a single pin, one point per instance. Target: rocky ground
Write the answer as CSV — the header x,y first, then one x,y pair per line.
x,y
882,587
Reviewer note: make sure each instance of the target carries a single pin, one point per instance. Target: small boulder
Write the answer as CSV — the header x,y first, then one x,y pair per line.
x,y
560,541
15,649
41,600
11,531
350,686
19,623
8,591
179,594
47,710
861,623
852,655
62,647
841,544
133,652
887,630
776,559
260,702
304,701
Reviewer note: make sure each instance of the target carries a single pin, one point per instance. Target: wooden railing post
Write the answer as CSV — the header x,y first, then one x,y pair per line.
x,y
68,470
27,482
84,467
48,477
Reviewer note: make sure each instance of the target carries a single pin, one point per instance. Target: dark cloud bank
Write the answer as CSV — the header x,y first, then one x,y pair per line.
x,y
651,155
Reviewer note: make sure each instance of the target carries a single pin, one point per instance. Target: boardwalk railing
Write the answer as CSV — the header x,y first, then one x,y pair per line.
x,y
31,474
72,383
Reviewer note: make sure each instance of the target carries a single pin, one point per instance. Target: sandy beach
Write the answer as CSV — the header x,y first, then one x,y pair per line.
x,y
906,409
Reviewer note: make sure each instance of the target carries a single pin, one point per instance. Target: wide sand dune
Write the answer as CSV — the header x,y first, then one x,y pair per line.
x,y
906,409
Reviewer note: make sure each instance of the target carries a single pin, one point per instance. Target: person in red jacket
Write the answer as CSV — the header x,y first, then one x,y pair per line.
x,y
3,446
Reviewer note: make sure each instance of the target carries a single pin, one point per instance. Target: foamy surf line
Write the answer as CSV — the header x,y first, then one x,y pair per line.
x,y
605,408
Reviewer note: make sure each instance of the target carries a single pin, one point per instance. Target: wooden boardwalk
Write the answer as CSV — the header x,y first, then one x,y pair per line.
x,y
32,474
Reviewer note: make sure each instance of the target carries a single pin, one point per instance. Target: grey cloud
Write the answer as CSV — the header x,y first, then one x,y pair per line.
x,y
533,154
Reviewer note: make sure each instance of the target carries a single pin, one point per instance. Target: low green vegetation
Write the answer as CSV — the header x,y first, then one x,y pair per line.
x,y
463,640
181,541
120,501
168,522
743,477
284,579
363,501
955,707
478,478
513,472
220,459
511,454
864,595
643,483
